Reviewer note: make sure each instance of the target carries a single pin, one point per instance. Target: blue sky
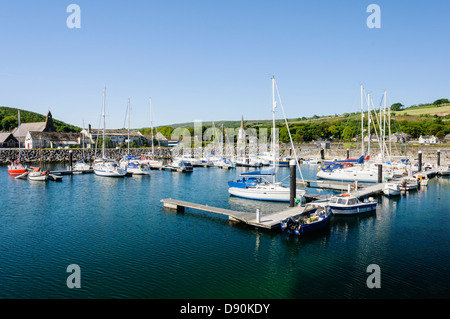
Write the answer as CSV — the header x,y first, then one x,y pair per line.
x,y
213,60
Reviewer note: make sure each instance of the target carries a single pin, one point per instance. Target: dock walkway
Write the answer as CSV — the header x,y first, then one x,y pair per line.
x,y
268,221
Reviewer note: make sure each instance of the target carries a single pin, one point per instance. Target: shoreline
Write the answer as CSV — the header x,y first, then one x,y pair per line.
x,y
305,151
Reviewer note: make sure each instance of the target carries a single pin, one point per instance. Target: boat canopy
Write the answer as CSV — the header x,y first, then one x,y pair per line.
x,y
129,157
268,172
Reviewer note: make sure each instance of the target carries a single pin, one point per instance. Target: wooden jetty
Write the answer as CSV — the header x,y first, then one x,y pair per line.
x,y
269,221
71,172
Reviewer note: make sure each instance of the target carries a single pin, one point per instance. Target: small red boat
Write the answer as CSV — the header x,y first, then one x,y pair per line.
x,y
16,169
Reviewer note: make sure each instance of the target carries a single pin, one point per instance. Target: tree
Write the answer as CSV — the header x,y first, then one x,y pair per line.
x,y
334,131
347,134
440,101
9,122
440,135
397,107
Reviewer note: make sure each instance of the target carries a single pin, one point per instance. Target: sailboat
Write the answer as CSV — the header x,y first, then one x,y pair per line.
x,y
103,166
130,163
362,171
150,158
81,165
254,185
16,168
37,174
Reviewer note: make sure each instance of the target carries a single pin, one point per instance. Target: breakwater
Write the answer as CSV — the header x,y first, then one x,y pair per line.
x,y
429,155
58,155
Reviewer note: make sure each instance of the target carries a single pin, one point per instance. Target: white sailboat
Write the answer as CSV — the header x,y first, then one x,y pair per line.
x,y
150,159
81,165
103,166
254,185
366,172
37,174
130,163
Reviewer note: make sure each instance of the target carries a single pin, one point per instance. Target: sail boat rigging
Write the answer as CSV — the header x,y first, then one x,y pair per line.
x,y
150,159
254,185
16,168
103,166
131,163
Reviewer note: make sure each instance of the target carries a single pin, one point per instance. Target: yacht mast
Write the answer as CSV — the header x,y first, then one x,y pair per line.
x,y
368,122
151,125
362,120
128,126
384,124
389,127
103,146
274,104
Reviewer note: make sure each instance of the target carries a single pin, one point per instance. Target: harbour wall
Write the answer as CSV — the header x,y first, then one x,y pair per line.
x,y
305,151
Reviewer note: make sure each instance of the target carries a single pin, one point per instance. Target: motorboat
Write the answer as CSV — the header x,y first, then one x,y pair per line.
x,y
444,170
181,165
254,185
346,204
409,183
37,175
422,179
391,189
307,222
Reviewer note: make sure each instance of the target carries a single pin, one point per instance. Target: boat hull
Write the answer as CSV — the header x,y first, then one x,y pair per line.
x,y
391,192
306,229
37,177
282,195
16,171
352,210
110,173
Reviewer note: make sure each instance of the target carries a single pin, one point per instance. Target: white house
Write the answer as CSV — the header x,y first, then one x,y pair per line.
x,y
51,139
427,139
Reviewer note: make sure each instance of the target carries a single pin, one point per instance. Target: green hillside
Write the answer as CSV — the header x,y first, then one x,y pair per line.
x,y
9,120
416,120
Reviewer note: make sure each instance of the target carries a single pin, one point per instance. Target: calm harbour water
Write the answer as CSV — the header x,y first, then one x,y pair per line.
x,y
128,246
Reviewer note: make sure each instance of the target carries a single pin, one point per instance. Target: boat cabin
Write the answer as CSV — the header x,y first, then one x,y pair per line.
x,y
344,199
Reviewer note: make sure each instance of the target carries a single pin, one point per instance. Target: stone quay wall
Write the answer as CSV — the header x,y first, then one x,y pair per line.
x,y
305,151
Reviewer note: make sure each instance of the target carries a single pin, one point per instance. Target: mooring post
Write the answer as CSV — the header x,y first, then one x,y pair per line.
x,y
348,153
293,184
70,160
420,161
438,158
380,173
258,215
